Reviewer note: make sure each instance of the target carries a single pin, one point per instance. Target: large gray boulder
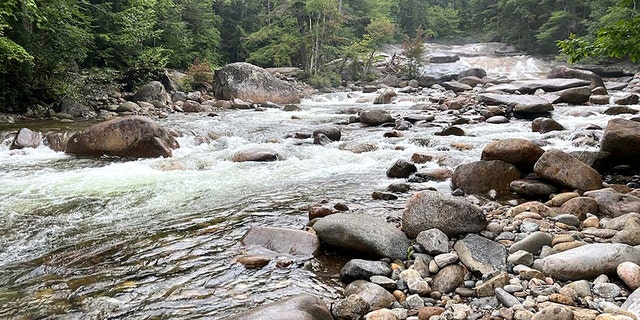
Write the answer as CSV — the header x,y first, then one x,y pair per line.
x,y
282,240
530,86
300,307
521,153
152,92
251,83
363,233
480,177
621,139
132,136
587,261
560,167
431,209
564,72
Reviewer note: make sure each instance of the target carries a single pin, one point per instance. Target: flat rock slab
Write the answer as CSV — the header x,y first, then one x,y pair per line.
x,y
530,86
301,307
521,103
587,261
281,240
480,254
363,233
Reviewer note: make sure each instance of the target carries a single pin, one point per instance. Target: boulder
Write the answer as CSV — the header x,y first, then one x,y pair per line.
x,y
613,203
522,104
251,83
433,241
480,254
363,233
401,169
25,138
76,109
621,139
377,296
587,261
544,125
442,57
561,168
257,154
152,92
282,240
564,72
431,209
482,176
521,153
531,86
300,307
578,95
332,133
132,136
385,97
358,269
375,117
580,206
626,99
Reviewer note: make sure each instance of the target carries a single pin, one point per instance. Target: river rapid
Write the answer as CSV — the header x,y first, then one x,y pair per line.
x,y
158,238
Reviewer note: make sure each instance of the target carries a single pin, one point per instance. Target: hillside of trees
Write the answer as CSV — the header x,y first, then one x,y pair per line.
x,y
46,46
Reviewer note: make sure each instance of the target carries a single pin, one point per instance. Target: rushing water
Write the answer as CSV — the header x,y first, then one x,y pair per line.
x,y
157,238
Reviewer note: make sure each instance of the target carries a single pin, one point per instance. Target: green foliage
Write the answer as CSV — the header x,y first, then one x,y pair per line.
x,y
201,75
413,49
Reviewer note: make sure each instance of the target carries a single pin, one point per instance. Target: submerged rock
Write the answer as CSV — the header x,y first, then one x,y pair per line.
x,y
281,240
132,136
300,307
257,154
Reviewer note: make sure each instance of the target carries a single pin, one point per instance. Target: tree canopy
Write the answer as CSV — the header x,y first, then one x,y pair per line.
x,y
45,43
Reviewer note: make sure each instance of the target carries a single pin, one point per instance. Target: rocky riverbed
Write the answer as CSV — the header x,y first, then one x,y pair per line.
x,y
475,197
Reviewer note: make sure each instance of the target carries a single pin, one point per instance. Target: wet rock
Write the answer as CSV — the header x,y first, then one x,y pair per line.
x,y
376,296
25,138
566,170
532,187
57,141
132,136
497,120
531,86
451,131
375,117
580,206
152,91
282,240
257,154
433,241
599,99
629,272
358,269
377,195
520,152
565,72
626,99
253,261
330,132
437,174
401,169
385,97
480,254
525,105
621,139
399,187
251,83
362,233
448,279
544,125
421,158
578,95
554,313
471,81
319,212
480,177
618,110
532,243
587,261
302,307
453,216
352,307
456,86
613,203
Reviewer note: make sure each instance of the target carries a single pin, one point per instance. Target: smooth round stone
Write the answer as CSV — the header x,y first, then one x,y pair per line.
x,y
445,259
562,238
497,120
568,219
511,288
554,313
521,257
607,290
591,222
629,272
564,246
581,287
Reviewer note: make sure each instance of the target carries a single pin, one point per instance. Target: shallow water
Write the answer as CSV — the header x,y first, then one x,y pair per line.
x,y
157,238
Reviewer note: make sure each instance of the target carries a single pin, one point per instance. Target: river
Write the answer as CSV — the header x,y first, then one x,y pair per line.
x,y
157,238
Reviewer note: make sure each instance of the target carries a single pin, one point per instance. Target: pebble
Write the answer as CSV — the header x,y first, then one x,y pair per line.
x,y
521,257
414,301
418,286
629,272
506,298
445,259
607,290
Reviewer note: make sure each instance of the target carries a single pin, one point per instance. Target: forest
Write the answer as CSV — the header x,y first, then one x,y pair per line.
x,y
48,46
